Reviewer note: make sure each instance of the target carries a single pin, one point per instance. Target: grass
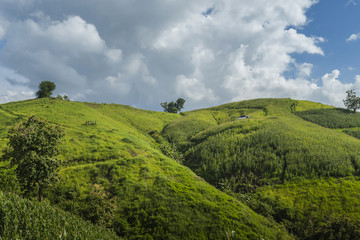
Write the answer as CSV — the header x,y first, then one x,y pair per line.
x,y
156,199
332,118
307,206
292,162
114,174
275,147
25,219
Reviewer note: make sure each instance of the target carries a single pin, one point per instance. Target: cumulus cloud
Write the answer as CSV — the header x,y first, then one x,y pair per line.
x,y
353,37
193,89
74,31
145,52
304,70
332,88
68,52
13,86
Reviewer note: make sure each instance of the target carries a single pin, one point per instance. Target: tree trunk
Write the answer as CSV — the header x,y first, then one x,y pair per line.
x,y
40,194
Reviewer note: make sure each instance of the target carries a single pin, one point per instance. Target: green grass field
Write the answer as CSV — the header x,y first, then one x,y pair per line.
x,y
115,175
290,170
278,146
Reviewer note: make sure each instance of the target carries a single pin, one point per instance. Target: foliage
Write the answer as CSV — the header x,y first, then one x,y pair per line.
x,y
272,149
289,170
25,219
352,101
65,97
45,89
352,132
114,174
331,118
173,107
169,149
32,147
313,209
157,199
279,151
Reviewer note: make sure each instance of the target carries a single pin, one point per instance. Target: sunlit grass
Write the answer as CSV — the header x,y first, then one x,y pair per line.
x,y
114,174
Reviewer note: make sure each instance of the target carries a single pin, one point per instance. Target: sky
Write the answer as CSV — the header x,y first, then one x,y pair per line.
x,y
209,52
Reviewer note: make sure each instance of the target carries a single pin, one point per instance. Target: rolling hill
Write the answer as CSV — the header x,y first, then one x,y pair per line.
x,y
114,174
289,170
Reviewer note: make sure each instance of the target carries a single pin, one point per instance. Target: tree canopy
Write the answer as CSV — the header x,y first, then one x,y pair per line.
x,y
45,89
173,107
33,146
352,102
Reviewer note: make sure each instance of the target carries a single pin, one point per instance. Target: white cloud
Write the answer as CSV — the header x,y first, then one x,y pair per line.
x,y
114,55
353,37
13,86
137,67
333,89
69,52
194,89
76,32
119,83
304,70
146,52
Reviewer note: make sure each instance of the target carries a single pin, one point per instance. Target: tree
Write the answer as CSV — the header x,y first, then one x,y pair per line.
x,y
173,107
352,101
33,146
45,89
66,98
180,103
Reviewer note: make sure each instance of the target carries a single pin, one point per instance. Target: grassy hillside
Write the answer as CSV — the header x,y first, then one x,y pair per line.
x,y
25,219
114,174
291,165
265,159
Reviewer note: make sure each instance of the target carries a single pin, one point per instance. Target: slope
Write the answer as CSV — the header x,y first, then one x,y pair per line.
x,y
266,159
25,219
114,174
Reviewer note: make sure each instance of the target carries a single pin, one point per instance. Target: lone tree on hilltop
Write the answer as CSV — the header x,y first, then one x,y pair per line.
x,y
352,101
173,107
33,146
45,89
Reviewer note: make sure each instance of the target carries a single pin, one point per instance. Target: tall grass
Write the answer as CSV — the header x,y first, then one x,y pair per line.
x,y
331,118
114,174
25,219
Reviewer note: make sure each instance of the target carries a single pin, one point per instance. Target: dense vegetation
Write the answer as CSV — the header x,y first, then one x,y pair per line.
x,y
25,219
332,118
274,175
114,173
274,149
313,208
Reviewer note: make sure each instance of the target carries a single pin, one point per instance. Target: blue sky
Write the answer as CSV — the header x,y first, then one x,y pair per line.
x,y
335,21
209,52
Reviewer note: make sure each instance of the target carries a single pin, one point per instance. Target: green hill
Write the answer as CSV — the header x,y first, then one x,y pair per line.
x,y
114,174
289,170
290,160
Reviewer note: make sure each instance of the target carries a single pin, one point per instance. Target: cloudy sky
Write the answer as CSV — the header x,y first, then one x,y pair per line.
x,y
209,52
